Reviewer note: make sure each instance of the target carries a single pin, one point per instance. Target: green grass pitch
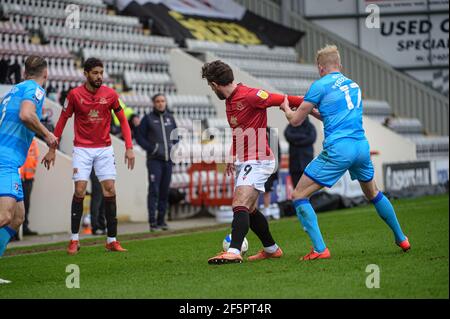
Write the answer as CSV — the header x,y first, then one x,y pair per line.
x,y
176,266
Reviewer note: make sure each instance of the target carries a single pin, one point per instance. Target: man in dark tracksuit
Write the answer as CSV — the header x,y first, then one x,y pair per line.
x,y
153,135
301,140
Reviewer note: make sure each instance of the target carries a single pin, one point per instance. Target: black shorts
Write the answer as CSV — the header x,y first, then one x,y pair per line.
x,y
268,186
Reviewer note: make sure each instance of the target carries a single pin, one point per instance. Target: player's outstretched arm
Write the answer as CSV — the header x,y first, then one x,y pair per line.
x,y
274,99
29,117
277,99
296,117
262,99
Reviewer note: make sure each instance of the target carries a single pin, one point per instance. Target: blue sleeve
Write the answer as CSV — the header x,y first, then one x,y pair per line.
x,y
315,93
36,95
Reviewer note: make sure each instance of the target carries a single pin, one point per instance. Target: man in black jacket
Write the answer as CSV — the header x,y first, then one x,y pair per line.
x,y
301,140
153,135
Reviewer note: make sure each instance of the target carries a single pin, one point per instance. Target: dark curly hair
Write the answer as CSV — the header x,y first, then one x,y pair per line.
x,y
91,63
218,72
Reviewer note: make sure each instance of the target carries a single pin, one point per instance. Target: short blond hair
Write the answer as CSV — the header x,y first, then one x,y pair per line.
x,y
328,55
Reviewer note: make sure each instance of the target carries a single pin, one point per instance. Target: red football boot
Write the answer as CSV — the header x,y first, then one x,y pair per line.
x,y
74,247
315,255
114,246
265,255
405,245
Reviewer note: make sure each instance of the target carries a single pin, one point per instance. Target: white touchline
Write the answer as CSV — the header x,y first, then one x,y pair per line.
x,y
3,281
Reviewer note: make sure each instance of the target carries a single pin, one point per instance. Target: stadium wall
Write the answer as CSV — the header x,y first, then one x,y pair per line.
x,y
51,198
185,71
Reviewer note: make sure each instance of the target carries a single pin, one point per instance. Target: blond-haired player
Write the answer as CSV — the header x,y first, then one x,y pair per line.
x,y
336,100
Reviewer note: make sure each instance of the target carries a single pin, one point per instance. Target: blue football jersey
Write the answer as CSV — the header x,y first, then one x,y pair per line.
x,y
15,137
339,102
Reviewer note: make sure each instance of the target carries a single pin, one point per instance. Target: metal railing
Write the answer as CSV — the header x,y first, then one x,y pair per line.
x,y
407,96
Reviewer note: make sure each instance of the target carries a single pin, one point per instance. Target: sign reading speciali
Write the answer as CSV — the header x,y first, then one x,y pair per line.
x,y
416,40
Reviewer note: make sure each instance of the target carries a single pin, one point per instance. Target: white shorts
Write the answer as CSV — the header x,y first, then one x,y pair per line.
x,y
254,173
101,159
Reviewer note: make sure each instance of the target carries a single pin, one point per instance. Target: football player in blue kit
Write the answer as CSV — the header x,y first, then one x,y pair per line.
x,y
20,114
336,100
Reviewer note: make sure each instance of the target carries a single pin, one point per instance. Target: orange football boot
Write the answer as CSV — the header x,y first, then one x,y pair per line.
x,y
262,254
74,247
225,258
114,246
315,255
404,245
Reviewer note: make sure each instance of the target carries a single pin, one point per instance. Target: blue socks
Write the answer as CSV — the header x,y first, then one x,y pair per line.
x,y
308,218
6,233
387,213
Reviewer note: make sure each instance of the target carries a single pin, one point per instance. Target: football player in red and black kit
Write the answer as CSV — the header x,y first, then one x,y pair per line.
x,y
92,103
253,160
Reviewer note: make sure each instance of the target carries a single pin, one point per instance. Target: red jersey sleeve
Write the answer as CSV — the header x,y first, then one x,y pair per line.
x,y
115,105
69,104
66,113
263,99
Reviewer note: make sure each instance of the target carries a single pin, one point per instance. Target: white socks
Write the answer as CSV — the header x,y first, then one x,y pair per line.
x,y
271,249
77,237
234,251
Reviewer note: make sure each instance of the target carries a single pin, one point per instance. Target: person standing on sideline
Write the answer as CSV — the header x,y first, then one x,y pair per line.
x,y
301,151
27,172
153,135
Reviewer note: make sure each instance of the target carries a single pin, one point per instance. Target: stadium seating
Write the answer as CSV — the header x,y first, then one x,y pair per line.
x,y
377,110
276,66
276,69
101,38
427,147
33,14
239,51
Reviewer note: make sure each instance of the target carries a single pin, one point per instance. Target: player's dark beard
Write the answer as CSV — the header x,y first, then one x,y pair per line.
x,y
96,84
220,95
